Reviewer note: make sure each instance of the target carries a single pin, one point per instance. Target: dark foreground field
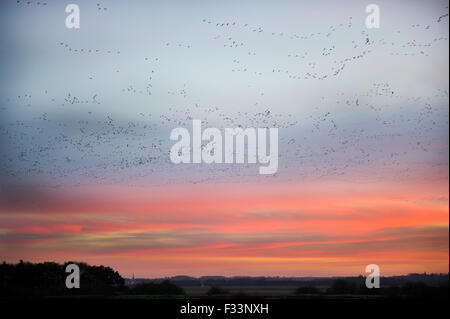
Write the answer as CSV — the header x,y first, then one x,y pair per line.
x,y
27,288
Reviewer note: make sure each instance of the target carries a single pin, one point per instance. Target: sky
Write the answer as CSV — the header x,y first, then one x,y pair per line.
x,y
362,115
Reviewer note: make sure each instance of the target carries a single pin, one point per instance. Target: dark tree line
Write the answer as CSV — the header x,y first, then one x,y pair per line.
x,y
49,279
405,290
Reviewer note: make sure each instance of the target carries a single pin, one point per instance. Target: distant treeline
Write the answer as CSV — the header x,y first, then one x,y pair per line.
x,y
49,279
410,286
433,280
409,289
342,287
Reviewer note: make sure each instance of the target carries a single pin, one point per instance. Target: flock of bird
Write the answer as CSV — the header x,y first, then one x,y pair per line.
x,y
79,143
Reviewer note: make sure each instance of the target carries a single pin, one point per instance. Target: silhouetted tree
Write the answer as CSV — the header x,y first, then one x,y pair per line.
x,y
48,279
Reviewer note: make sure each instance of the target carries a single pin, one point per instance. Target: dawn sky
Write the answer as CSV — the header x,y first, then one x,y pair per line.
x,y
362,114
